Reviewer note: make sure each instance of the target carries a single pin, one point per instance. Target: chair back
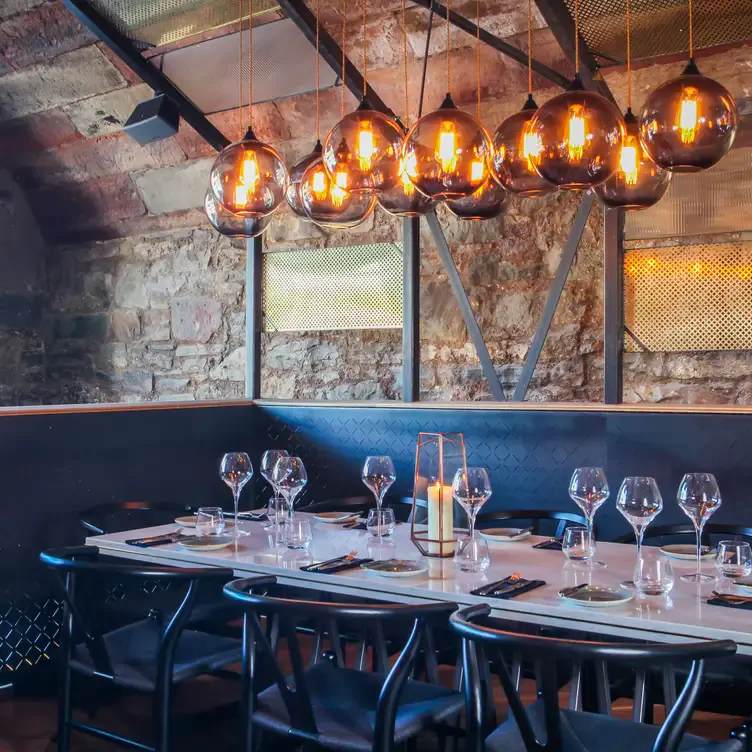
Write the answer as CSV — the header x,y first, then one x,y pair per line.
x,y
484,645
281,619
402,506
558,522
711,533
130,515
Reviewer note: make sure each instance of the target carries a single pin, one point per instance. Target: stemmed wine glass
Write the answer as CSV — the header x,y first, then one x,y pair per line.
x,y
471,491
290,476
236,470
268,460
639,500
588,488
698,497
378,474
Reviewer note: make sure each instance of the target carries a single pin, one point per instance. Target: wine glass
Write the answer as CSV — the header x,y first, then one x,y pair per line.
x,y
588,488
290,476
471,490
378,474
639,500
236,470
698,497
268,460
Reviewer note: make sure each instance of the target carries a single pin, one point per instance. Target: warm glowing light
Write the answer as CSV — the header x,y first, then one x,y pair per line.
x,y
366,150
651,262
249,180
318,184
408,170
477,170
629,163
531,146
697,267
688,114
446,146
338,197
576,132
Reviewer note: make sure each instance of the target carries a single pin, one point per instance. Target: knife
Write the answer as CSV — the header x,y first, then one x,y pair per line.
x,y
510,587
569,590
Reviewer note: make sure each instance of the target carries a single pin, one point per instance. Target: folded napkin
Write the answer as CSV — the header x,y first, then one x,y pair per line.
x,y
743,605
507,588
159,540
549,545
341,567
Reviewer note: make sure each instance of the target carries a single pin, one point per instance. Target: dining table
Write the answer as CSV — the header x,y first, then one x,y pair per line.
x,y
682,615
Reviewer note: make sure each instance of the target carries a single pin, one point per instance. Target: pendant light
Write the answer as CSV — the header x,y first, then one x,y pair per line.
x,y
249,177
514,145
689,123
363,149
449,148
404,200
638,182
233,225
580,133
324,201
488,201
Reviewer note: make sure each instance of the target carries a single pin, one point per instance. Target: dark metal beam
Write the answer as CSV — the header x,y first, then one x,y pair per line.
x,y
129,54
411,309
305,20
613,305
541,332
466,310
556,15
510,51
254,315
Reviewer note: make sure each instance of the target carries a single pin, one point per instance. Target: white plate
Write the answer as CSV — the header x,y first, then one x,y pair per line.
x,y
335,517
744,582
505,534
190,521
208,543
396,568
597,596
686,551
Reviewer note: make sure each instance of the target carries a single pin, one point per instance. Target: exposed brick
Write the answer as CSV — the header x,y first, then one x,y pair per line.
x,y
125,71
43,33
35,133
192,144
195,319
175,188
5,66
99,116
93,159
10,8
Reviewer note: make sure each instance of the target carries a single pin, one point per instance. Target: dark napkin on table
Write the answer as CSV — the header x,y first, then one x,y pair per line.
x,y
513,588
723,602
344,565
158,540
549,545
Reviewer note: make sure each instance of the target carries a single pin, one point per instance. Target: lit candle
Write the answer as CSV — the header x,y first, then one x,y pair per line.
x,y
440,518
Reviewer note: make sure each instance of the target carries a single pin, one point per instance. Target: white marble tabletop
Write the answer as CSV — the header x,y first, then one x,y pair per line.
x,y
681,616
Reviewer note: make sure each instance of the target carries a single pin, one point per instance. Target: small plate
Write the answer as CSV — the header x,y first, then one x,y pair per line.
x,y
597,596
396,567
190,521
335,517
207,543
744,582
505,534
687,551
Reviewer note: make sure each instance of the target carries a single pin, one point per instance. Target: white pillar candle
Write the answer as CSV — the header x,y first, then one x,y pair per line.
x,y
440,517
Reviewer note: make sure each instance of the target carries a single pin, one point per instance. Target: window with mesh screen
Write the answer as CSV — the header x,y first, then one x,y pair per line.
x,y
352,287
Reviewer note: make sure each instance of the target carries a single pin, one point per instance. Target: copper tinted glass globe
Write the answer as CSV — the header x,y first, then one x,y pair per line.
x,y
292,193
405,200
580,134
638,182
450,150
249,178
514,146
486,203
688,124
365,146
232,225
327,204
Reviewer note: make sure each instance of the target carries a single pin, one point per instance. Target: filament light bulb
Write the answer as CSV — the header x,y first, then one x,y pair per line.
x,y
318,183
366,150
688,114
628,164
408,170
477,170
531,147
446,146
249,180
576,132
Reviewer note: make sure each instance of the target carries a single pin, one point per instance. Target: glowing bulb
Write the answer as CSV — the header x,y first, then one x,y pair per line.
x,y
576,134
446,147
318,184
366,150
407,170
477,170
338,189
531,147
628,163
688,114
249,179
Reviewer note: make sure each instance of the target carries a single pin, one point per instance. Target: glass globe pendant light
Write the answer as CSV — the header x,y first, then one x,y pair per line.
x,y
449,148
249,178
689,123
404,200
638,182
514,145
233,225
488,201
580,134
364,145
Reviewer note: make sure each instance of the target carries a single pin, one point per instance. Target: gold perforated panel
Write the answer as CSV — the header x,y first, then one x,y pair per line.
x,y
685,298
353,287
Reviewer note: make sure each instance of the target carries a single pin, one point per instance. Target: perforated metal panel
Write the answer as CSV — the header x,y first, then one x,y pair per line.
x,y
686,298
660,27
353,287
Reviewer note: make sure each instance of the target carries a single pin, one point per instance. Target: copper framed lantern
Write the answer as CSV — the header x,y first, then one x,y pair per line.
x,y
438,456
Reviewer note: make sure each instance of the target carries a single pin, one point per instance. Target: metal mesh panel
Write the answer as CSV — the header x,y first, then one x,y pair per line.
x,y
688,298
659,27
354,287
158,22
713,201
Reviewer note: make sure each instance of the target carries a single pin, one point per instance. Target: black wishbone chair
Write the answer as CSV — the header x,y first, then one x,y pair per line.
x,y
324,703
145,655
537,518
546,727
